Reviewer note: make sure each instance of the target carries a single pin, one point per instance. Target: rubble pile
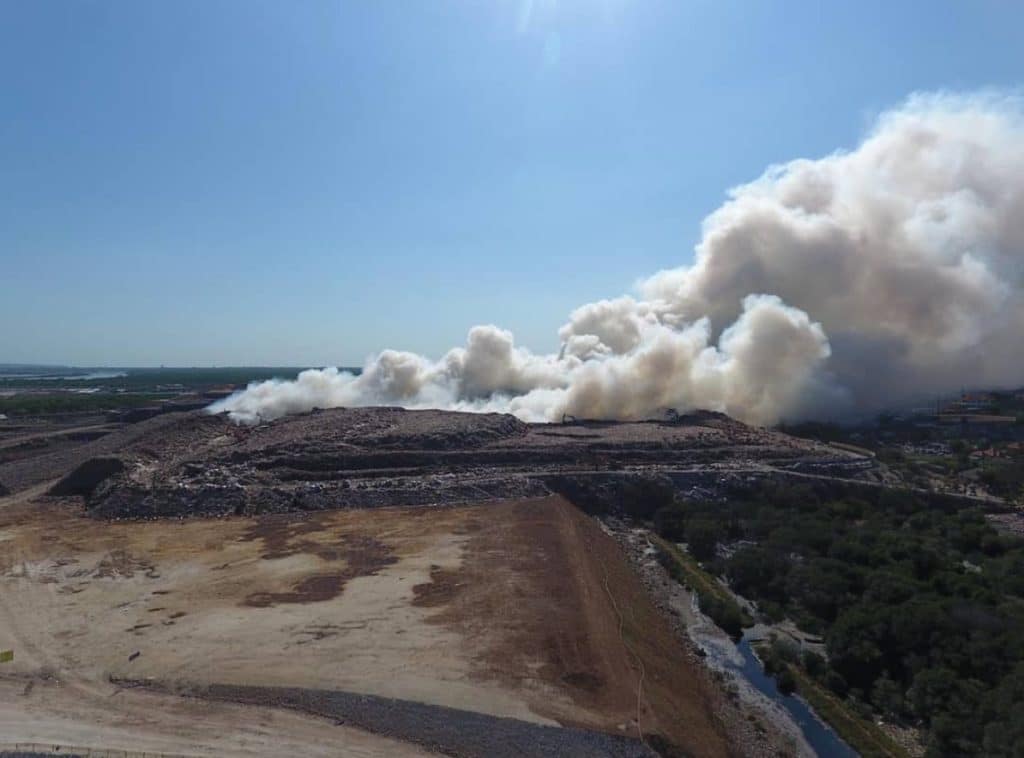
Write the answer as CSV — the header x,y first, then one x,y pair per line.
x,y
368,457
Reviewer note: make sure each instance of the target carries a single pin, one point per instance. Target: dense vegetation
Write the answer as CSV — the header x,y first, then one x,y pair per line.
x,y
1005,478
919,601
33,404
714,600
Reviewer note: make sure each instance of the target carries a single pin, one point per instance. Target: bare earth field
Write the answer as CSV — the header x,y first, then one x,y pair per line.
x,y
357,582
503,609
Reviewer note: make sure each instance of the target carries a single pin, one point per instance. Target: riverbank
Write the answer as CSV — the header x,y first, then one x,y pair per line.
x,y
869,739
827,723
714,600
824,724
760,727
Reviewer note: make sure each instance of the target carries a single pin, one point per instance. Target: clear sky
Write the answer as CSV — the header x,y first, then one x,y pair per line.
x,y
303,183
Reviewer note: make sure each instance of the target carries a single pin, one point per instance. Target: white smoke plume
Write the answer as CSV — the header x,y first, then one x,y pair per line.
x,y
828,286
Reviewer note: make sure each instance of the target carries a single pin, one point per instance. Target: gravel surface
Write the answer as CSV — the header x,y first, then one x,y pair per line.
x,y
447,730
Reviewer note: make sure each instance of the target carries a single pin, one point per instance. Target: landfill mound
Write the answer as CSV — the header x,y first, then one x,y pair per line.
x,y
205,465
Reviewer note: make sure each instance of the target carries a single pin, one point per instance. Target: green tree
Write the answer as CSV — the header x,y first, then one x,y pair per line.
x,y
702,539
887,697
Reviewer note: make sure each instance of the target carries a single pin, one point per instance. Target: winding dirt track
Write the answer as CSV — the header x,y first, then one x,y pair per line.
x,y
639,662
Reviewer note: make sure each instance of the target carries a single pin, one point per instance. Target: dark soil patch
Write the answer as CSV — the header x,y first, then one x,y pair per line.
x,y
284,535
121,563
364,556
440,590
312,589
88,476
584,680
277,531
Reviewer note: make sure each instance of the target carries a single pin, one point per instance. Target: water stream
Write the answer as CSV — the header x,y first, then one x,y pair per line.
x,y
822,739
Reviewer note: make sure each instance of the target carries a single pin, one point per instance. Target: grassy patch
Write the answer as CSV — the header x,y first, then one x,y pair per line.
x,y
862,735
854,448
32,404
720,606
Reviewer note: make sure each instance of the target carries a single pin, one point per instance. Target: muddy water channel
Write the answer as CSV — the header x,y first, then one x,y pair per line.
x,y
739,660
822,739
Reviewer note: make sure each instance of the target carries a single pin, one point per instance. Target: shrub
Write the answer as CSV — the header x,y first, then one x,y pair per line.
x,y
726,615
785,681
814,664
835,682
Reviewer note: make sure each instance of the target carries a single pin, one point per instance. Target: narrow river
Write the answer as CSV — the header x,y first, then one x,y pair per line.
x,y
822,739
739,660
756,688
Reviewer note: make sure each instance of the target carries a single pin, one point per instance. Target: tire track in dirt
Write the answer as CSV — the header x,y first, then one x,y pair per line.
x,y
640,664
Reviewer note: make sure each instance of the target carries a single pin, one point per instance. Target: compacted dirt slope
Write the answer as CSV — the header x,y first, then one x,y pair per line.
x,y
543,594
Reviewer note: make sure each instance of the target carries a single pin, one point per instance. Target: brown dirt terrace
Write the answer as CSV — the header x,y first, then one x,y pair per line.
x,y
404,581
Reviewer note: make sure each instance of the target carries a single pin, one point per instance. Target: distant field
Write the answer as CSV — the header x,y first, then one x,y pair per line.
x,y
32,404
38,390
138,379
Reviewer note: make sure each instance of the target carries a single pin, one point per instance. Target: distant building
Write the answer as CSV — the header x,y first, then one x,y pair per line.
x,y
1010,450
978,402
980,425
221,392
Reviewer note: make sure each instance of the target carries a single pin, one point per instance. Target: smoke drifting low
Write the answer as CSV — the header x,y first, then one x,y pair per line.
x,y
824,287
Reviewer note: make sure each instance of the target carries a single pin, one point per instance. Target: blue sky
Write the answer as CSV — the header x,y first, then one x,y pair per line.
x,y
275,183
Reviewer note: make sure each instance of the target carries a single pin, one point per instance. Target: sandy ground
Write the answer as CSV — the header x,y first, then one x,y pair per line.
x,y
520,609
238,602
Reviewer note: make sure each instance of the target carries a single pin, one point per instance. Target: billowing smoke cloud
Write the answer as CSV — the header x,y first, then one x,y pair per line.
x,y
826,286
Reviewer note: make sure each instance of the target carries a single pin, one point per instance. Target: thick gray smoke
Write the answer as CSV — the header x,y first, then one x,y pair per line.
x,y
826,286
